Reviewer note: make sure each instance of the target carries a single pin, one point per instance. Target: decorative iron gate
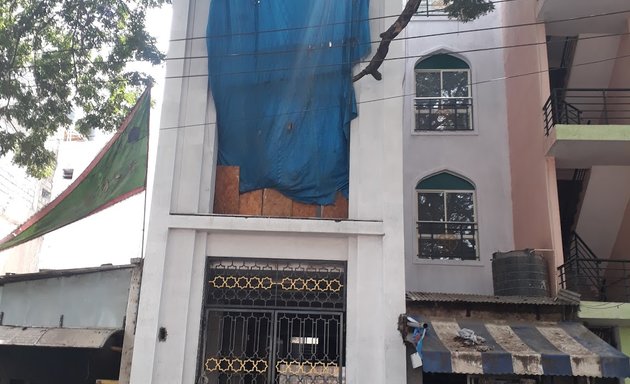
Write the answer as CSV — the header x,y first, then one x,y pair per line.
x,y
272,321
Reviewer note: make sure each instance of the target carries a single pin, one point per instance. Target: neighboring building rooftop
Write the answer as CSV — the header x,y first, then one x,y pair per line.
x,y
52,273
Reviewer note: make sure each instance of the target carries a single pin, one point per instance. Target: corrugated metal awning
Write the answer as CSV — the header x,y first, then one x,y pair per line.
x,y
541,348
56,337
483,299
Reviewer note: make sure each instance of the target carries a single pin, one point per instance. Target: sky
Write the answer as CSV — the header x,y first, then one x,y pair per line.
x,y
116,234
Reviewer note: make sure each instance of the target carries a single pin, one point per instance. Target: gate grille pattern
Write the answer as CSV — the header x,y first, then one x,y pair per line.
x,y
269,321
275,284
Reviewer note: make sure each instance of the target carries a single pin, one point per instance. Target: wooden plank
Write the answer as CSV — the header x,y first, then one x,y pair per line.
x,y
131,317
303,210
276,204
226,195
339,210
251,203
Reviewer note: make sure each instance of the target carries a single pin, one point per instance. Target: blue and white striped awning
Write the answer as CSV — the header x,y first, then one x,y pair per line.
x,y
535,348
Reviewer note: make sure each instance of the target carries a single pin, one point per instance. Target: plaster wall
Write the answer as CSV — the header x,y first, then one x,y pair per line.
x,y
603,208
621,249
593,48
534,192
620,75
481,156
182,233
90,300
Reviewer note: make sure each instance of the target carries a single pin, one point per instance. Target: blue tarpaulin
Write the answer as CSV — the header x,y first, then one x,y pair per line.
x,y
281,78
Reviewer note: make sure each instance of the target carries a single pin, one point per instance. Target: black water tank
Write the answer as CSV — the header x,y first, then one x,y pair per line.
x,y
519,273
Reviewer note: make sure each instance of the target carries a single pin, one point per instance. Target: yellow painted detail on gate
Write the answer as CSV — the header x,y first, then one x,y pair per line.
x,y
235,365
287,283
318,368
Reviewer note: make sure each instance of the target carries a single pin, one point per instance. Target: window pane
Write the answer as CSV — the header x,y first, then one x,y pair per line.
x,y
431,207
428,84
455,84
460,207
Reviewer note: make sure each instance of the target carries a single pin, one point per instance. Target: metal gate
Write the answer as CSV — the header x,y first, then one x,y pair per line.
x,y
271,321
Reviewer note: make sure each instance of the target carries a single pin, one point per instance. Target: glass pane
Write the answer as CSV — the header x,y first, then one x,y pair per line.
x,y
428,84
455,84
460,207
431,206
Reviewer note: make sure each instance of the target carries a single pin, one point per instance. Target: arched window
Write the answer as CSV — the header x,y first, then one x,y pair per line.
x,y
443,97
447,219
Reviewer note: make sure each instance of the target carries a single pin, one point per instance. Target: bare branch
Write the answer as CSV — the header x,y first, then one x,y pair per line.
x,y
386,38
462,10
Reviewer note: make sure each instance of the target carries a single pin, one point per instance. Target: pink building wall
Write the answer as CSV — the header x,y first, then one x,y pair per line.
x,y
534,190
621,79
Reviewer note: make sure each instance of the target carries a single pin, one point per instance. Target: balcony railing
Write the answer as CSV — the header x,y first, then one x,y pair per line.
x,y
593,278
443,114
597,279
447,240
587,106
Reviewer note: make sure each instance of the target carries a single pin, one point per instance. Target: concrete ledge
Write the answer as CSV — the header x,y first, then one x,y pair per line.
x,y
593,132
220,223
605,313
583,146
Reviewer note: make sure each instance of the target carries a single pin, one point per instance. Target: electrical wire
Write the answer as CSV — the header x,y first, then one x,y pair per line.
x,y
327,46
397,96
472,50
418,56
418,14
437,11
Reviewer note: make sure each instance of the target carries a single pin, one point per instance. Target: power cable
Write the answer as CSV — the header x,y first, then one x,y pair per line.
x,y
327,46
437,34
269,31
395,96
419,14
472,50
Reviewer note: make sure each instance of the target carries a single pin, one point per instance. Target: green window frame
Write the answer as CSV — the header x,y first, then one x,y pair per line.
x,y
446,222
443,99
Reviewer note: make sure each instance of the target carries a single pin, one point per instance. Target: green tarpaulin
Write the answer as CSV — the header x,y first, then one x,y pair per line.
x,y
118,172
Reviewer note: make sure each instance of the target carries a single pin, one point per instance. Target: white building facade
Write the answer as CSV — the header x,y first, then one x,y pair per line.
x,y
402,155
183,234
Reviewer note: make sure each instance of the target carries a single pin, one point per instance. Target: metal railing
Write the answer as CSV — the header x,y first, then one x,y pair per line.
x,y
594,278
443,114
599,280
447,240
273,321
587,106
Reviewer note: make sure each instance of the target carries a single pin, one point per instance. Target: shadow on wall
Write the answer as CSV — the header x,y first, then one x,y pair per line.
x,y
37,365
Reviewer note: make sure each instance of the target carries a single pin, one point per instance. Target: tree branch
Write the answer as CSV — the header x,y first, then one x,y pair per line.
x,y
462,10
386,38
